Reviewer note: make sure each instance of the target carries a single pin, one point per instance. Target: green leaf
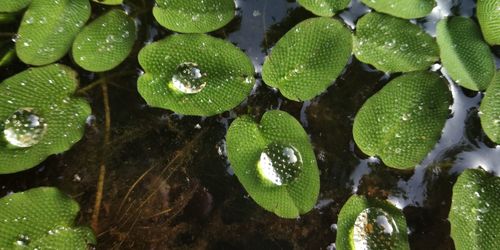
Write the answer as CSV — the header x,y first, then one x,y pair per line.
x,y
403,121
370,224
275,163
393,44
41,218
39,116
109,2
195,74
464,54
7,53
490,110
475,211
408,9
325,8
106,42
48,29
13,5
190,17
7,18
308,58
488,15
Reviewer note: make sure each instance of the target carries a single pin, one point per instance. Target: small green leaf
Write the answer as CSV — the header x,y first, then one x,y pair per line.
x,y
308,58
48,29
7,53
194,17
39,116
475,211
325,8
370,224
488,15
490,110
275,163
41,218
106,42
403,121
109,2
464,54
13,5
393,44
408,9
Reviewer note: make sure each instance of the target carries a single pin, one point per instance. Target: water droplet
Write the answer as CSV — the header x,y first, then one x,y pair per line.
x,y
188,78
22,240
24,128
373,229
279,164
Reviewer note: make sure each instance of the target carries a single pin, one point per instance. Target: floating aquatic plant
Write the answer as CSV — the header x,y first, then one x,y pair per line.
x,y
325,8
41,218
275,163
488,15
366,223
408,9
308,58
109,2
39,116
13,5
490,110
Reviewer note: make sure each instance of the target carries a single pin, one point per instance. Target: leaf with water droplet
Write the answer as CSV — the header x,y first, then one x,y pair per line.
x,y
194,17
408,9
393,44
105,42
109,2
195,74
275,163
39,116
488,15
326,8
48,29
490,110
41,218
402,122
464,54
475,211
308,58
13,5
368,223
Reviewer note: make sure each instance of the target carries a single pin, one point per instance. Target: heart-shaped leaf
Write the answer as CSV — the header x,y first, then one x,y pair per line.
x,y
393,44
106,42
41,218
13,5
275,163
109,2
490,110
408,9
39,116
403,121
325,8
488,15
464,54
308,58
48,29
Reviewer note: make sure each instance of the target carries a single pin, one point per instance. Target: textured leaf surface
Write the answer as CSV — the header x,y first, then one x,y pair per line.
x,y
403,121
325,8
41,218
464,54
225,72
308,58
109,2
488,15
408,9
393,222
194,17
393,44
106,42
247,140
48,28
475,211
490,110
48,92
13,5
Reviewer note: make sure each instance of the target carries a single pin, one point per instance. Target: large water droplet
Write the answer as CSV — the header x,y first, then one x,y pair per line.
x,y
279,164
188,78
374,229
22,240
24,128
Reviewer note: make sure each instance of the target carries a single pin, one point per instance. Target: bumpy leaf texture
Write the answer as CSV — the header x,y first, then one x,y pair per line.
x,y
488,15
109,2
490,110
13,5
408,9
325,8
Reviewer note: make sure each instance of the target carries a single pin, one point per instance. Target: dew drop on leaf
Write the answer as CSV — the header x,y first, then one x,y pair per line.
x,y
374,229
24,128
279,164
188,78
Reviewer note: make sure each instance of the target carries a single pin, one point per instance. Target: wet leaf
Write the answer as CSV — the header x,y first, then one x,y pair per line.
x,y
408,9
403,121
490,110
393,44
194,17
13,5
308,58
275,163
325,8
488,15
41,218
475,211
195,74
106,42
109,2
366,223
39,116
48,29
464,54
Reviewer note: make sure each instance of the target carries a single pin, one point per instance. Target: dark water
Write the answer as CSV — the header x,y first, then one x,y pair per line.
x,y
169,184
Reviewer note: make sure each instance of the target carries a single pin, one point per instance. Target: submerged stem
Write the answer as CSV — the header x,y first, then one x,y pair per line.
x,y
104,80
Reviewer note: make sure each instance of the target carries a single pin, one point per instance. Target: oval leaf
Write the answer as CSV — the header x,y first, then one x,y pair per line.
x,y
475,211
490,110
48,29
325,8
41,218
393,44
275,163
109,2
465,56
189,17
106,42
408,9
13,5
488,15
308,58
403,121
